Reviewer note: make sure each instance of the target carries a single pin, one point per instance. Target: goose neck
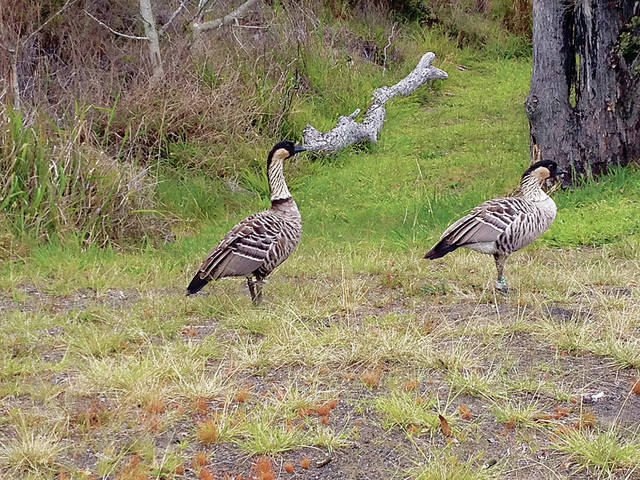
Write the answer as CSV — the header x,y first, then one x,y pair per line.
x,y
532,189
277,184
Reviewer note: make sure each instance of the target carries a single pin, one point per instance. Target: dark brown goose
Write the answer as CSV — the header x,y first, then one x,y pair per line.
x,y
260,242
504,225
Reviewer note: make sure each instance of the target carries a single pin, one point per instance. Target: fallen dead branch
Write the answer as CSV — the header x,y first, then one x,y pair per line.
x,y
348,131
229,18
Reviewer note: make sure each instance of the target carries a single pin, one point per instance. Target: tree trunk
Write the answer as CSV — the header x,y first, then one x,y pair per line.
x,y
583,104
152,34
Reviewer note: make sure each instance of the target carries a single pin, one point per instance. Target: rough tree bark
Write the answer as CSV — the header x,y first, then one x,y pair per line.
x,y
584,102
348,131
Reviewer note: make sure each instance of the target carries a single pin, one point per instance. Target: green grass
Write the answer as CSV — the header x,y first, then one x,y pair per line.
x,y
608,207
102,352
601,452
413,188
406,409
445,465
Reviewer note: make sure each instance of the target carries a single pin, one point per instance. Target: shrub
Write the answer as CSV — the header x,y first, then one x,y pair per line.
x,y
57,180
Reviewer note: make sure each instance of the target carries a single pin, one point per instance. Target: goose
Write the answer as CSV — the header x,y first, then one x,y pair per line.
x,y
260,242
504,225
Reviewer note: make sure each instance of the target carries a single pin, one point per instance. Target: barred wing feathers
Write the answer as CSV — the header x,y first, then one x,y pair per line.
x,y
241,251
484,224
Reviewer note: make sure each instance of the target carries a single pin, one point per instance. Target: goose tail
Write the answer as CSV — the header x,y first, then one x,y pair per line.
x,y
440,249
196,284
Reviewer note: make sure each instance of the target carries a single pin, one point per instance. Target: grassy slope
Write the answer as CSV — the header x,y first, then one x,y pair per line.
x,y
435,159
440,153
355,315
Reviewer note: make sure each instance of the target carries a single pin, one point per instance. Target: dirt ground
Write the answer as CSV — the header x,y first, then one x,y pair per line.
x,y
601,397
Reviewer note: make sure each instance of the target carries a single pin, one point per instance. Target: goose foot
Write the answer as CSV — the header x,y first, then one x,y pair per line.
x,y
501,286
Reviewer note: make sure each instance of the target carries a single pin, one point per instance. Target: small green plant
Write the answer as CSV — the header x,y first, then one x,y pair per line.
x,y
513,413
407,409
602,452
570,336
266,437
475,383
624,351
444,464
629,41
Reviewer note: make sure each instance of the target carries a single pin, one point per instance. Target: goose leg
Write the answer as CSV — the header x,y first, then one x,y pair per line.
x,y
501,284
257,300
251,282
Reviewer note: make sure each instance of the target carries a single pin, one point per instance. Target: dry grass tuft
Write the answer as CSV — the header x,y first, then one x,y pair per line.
x,y
465,412
411,385
263,468
134,470
371,376
205,474
201,459
155,405
242,395
208,431
31,452
201,405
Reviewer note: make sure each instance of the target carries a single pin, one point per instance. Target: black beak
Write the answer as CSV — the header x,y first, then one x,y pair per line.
x,y
560,171
298,149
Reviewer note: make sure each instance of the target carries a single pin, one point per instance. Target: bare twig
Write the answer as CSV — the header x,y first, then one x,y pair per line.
x,y
384,52
172,17
15,85
133,183
235,35
252,27
219,22
202,4
17,103
120,34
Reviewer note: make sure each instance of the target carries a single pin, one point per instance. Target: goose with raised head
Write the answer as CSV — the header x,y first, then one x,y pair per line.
x,y
504,225
262,241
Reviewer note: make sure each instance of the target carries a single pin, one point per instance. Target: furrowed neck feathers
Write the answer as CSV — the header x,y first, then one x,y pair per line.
x,y
275,174
531,188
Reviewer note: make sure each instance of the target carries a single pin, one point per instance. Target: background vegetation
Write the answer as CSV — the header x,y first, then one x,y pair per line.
x,y
113,189
97,150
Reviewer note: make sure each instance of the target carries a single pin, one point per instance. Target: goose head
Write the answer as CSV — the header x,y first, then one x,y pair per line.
x,y
543,170
283,150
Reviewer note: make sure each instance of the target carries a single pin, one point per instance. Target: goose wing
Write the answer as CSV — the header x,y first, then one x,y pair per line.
x,y
485,223
244,249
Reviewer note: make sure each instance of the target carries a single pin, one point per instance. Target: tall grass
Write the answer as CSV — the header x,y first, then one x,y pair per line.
x,y
56,180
